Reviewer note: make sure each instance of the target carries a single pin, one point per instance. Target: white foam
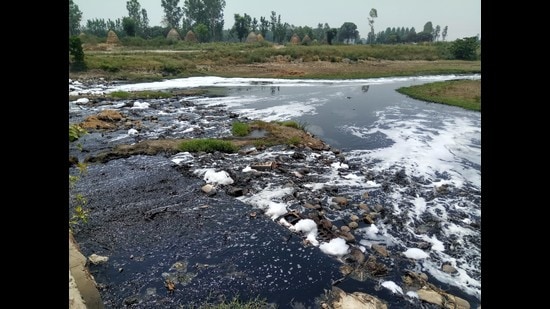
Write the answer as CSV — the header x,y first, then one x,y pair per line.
x,y
212,177
415,253
336,247
392,286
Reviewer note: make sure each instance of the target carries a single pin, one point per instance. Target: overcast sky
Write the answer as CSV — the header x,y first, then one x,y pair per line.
x,y
463,17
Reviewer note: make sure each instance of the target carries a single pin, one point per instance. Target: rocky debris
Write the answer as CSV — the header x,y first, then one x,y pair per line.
x,y
97,259
428,292
380,250
355,300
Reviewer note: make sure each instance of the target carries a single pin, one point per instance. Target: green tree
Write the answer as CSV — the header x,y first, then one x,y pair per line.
x,y
444,33
465,49
172,13
264,26
202,32
348,33
129,25
331,34
207,12
436,32
77,53
242,26
75,16
373,14
97,27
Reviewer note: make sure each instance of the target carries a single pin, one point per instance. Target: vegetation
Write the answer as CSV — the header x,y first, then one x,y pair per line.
x,y
465,49
240,129
208,145
462,93
77,54
145,94
78,213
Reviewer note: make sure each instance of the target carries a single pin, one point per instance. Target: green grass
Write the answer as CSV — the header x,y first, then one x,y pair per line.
x,y
240,129
461,93
208,145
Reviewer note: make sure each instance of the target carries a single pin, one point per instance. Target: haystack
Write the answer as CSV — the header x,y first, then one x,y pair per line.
x,y
191,37
306,40
112,38
260,37
252,38
295,39
173,35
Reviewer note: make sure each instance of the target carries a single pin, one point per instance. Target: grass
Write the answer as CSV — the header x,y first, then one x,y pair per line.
x,y
461,93
208,145
240,129
182,59
146,94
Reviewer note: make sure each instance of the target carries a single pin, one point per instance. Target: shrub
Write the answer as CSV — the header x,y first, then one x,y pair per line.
x,y
240,129
208,145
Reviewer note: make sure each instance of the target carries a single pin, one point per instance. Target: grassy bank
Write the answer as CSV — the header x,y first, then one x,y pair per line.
x,y
268,60
462,93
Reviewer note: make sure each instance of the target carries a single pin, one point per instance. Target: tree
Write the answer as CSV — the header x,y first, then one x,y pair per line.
x,y
76,51
264,26
436,32
207,12
202,32
465,49
444,33
373,14
97,27
75,16
242,26
172,13
129,25
348,33
134,10
331,34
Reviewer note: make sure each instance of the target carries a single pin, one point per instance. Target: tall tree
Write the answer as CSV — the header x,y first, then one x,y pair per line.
x,y
444,33
172,13
264,26
348,33
242,26
134,10
373,14
331,34
129,25
436,33
207,12
75,16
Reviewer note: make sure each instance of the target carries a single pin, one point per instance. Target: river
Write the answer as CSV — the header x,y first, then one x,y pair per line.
x,y
420,161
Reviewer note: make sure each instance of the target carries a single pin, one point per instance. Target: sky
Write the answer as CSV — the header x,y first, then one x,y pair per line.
x,y
462,17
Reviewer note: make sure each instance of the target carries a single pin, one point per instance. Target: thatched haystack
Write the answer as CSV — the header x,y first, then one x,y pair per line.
x,y
173,35
260,37
295,39
252,38
191,37
112,38
306,40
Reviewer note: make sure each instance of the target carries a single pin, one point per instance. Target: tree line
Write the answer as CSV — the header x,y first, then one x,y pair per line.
x,y
206,20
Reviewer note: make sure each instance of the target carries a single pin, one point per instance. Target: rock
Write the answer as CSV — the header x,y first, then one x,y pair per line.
x,y
209,189
354,218
442,299
355,300
97,259
380,250
448,269
353,225
340,200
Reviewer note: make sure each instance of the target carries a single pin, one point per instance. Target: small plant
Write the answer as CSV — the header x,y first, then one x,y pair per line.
x,y
79,213
120,94
294,140
75,132
240,129
208,145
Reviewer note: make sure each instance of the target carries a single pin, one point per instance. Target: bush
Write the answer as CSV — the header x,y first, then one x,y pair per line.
x,y
208,145
240,129
465,49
